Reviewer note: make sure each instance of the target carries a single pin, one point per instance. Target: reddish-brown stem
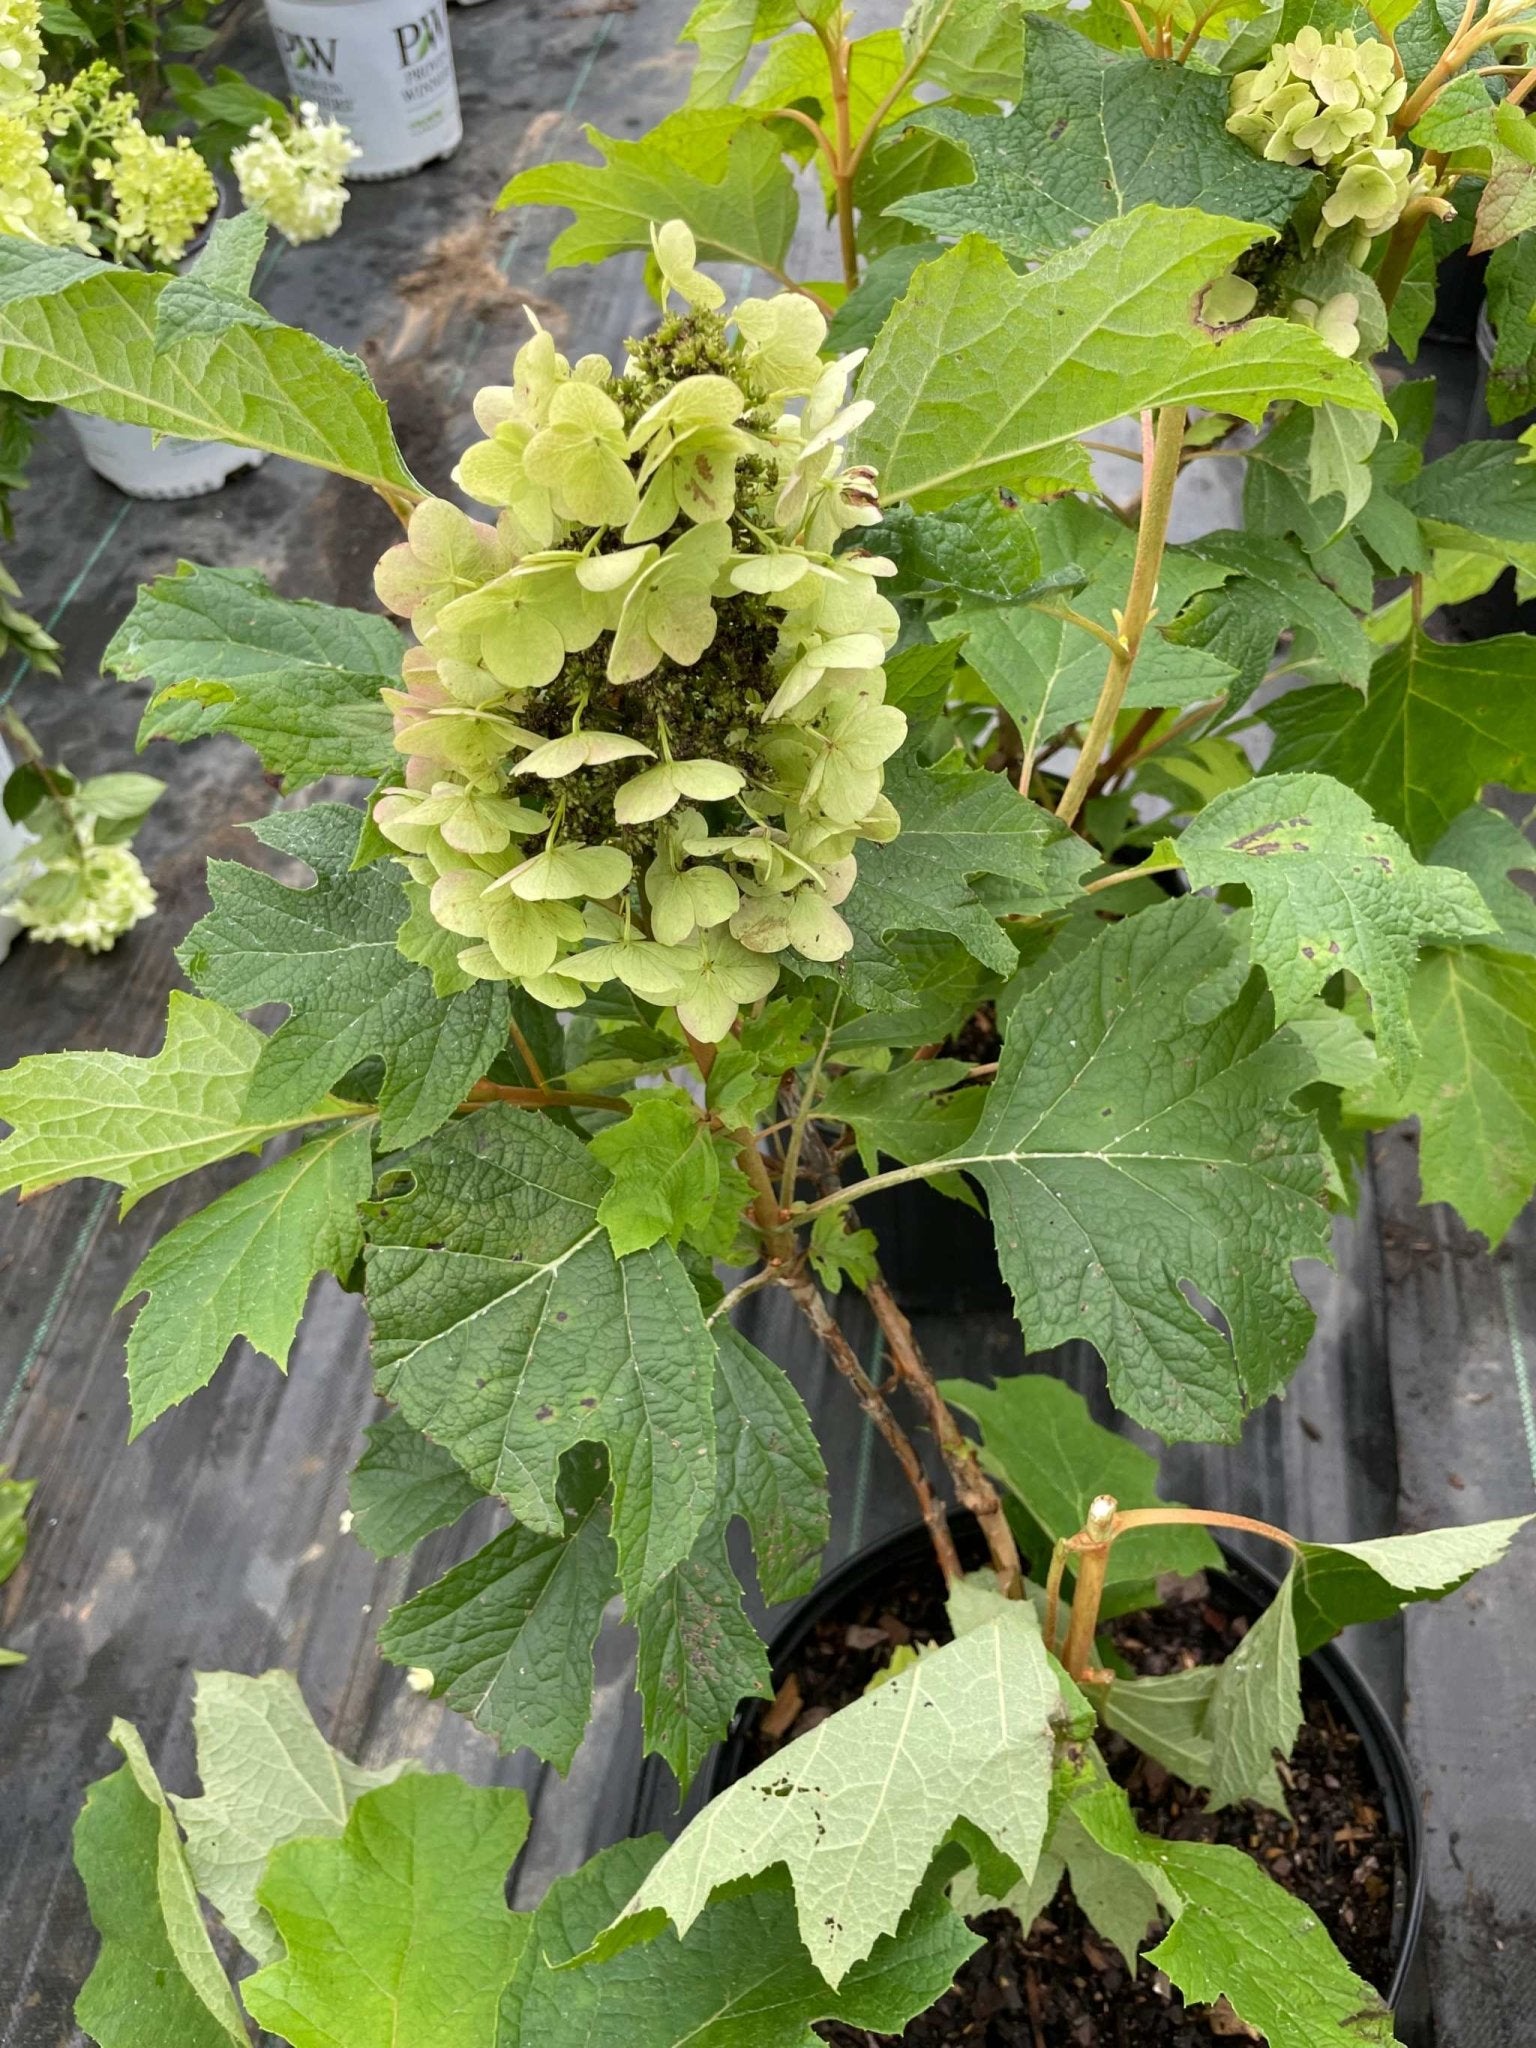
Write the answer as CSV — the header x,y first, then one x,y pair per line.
x,y
973,1489
525,1053
812,127
1401,243
1206,1518
1148,47
1123,749
1091,1549
808,1298
837,49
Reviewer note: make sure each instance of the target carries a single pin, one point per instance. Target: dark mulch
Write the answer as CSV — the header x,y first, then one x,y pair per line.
x,y
1057,1985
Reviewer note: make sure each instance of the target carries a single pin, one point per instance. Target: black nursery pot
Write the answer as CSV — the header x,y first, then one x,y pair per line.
x,y
1327,1670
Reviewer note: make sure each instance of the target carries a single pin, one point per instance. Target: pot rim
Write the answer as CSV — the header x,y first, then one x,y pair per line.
x,y
1349,1692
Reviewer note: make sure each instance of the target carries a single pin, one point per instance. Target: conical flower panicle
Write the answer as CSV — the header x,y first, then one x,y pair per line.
x,y
644,728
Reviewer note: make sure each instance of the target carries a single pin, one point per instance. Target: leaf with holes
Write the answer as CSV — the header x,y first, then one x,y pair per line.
x,y
329,952
1332,888
1134,1156
298,681
857,1808
505,1328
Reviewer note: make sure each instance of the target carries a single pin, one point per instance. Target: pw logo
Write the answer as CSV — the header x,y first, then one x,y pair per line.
x,y
417,39
308,53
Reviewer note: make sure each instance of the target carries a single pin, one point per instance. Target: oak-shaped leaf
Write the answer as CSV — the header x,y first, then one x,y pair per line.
x,y
983,377
242,1267
403,1487
142,1122
1134,1157
717,168
269,1776
329,952
956,824
1093,135
397,1930
856,1809
507,1635
296,680
1333,889
505,1328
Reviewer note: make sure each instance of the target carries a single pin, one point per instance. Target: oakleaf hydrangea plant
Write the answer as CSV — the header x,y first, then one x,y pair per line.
x,y
806,778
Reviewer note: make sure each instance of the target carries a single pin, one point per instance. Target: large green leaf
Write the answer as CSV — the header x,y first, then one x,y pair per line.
x,y
1130,1151
724,32
1481,495
1266,589
974,48
857,1808
297,681
910,1112
329,952
141,1122
507,1635
1094,135
1335,1584
981,376
740,1979
1255,1709
1332,888
269,1776
507,1330
716,167
157,1979
1511,388
403,1487
242,1267
1165,1717
183,357
1492,849
956,824
1473,1088
1439,721
1038,1438
397,1931
1046,672
699,1655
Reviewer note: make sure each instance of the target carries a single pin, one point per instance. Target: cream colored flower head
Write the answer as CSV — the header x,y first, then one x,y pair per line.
x,y
644,729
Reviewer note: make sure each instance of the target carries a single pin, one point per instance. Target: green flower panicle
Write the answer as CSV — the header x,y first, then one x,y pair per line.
x,y
1329,101
644,726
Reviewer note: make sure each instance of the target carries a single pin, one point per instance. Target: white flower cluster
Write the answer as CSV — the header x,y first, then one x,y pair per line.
x,y
645,725
85,895
1329,101
295,174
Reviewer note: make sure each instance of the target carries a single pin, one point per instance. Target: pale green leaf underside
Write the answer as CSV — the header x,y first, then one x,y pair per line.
x,y
269,1776
156,1978
79,332
1340,1583
142,1122
242,1267
856,1808
981,376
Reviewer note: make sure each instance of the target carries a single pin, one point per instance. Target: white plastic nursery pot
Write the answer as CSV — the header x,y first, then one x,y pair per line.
x,y
129,457
383,67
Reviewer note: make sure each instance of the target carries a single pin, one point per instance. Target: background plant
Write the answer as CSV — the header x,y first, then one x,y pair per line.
x,y
1178,1087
